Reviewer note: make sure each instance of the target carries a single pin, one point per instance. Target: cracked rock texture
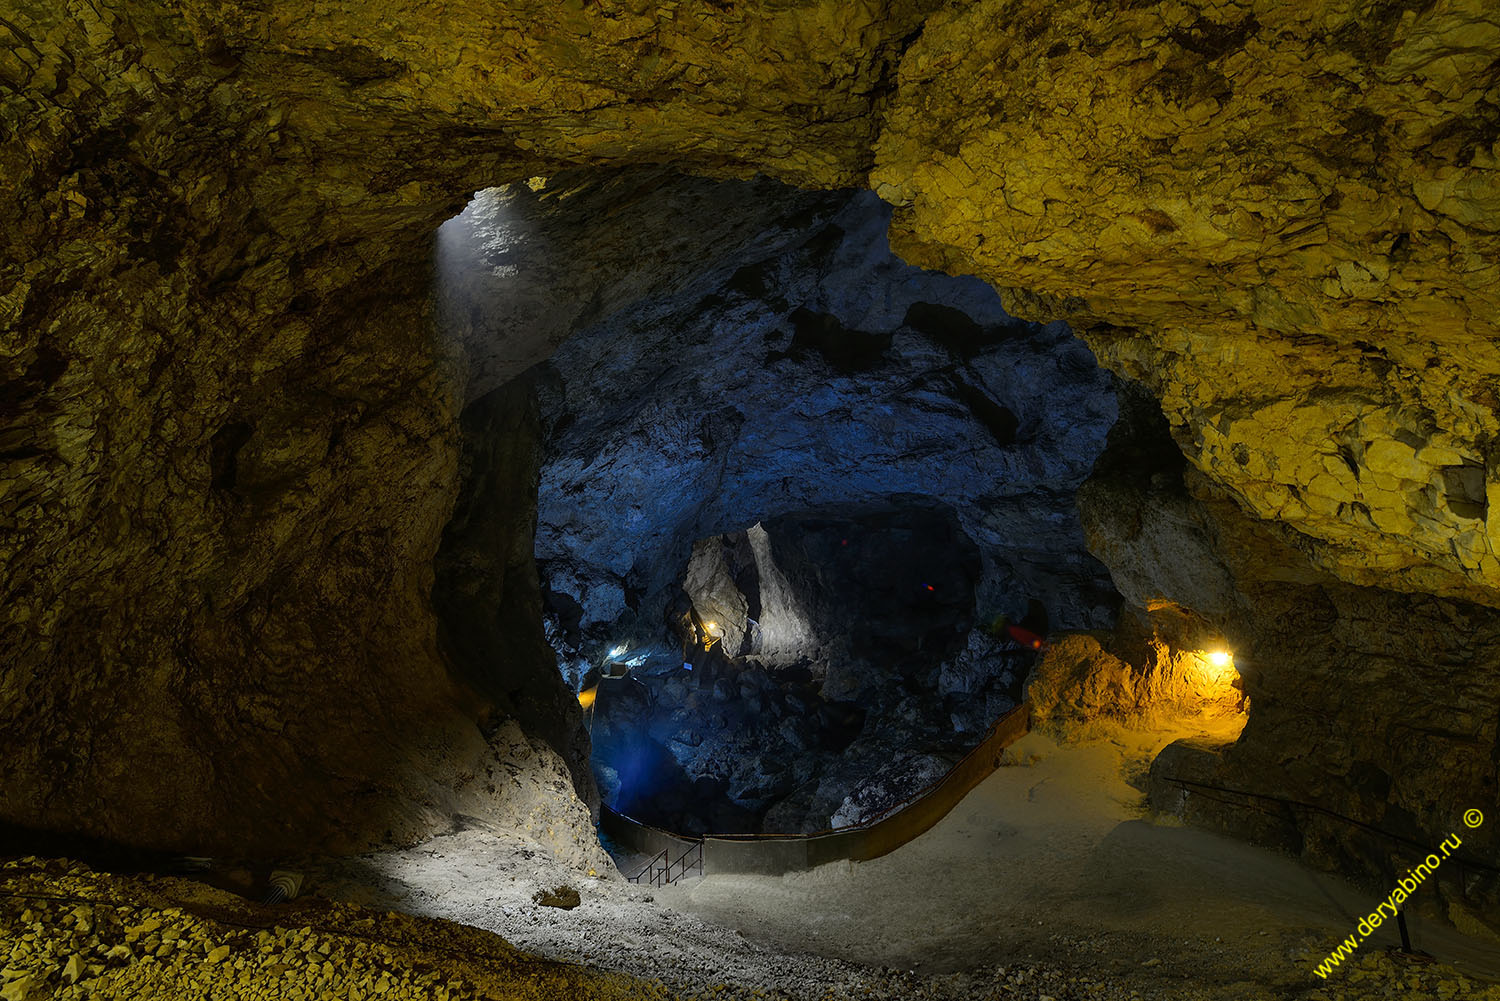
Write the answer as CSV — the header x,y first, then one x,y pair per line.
x,y
230,438
830,373
1280,217
777,441
839,700
1373,704
486,594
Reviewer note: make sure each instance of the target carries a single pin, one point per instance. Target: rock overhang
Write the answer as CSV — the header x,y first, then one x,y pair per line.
x,y
1241,208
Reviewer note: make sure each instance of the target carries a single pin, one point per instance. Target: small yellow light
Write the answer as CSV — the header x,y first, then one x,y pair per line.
x,y
709,627
587,696
1219,658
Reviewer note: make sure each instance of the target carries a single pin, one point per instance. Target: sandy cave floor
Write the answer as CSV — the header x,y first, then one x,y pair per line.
x,y
1054,862
1046,882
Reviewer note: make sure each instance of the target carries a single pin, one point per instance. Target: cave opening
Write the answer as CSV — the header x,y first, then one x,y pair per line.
x,y
803,689
805,514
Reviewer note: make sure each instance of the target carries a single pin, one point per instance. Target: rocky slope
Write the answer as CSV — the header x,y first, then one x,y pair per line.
x,y
119,938
1365,703
70,933
231,437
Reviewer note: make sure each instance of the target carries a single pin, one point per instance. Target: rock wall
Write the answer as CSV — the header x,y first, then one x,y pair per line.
x,y
230,437
1278,216
773,443
1379,706
1145,678
230,432
840,674
486,593
826,373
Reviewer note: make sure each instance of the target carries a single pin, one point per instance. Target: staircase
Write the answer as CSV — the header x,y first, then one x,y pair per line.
x,y
661,871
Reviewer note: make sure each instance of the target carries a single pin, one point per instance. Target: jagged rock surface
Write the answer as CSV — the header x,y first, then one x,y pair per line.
x,y
776,440
829,374
1278,216
230,444
526,265
1375,705
486,594
231,437
854,715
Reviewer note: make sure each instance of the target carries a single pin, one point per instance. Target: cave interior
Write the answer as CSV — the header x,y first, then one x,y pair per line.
x,y
449,459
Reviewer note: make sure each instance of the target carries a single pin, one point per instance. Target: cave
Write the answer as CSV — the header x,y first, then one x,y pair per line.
x,y
758,460
911,499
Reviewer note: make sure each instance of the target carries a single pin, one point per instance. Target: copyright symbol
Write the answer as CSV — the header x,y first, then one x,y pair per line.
x,y
1473,818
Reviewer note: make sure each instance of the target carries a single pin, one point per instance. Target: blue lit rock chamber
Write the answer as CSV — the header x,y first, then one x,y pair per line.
x,y
784,499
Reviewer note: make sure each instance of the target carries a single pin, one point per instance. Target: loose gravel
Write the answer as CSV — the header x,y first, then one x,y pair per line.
x,y
68,933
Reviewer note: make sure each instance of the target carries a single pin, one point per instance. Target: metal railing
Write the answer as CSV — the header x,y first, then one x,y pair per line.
x,y
780,853
652,870
1463,864
690,859
658,871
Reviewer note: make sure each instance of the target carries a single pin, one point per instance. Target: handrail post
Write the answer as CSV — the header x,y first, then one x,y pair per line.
x,y
648,871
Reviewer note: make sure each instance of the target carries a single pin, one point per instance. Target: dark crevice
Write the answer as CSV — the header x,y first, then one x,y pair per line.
x,y
224,450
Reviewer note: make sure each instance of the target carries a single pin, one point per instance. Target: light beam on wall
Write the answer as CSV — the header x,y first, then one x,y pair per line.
x,y
1217,666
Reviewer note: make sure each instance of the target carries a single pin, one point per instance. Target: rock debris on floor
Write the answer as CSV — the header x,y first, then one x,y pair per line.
x,y
69,933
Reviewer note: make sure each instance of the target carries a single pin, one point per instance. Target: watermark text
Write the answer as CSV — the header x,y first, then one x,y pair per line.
x,y
1391,905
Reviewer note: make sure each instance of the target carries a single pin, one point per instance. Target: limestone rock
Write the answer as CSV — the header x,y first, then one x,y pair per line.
x,y
769,448
564,897
1077,682
486,594
826,374
1271,214
231,434
1362,701
888,788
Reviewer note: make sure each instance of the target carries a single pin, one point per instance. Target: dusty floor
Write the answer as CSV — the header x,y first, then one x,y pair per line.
x,y
70,934
1053,862
1047,881
1045,884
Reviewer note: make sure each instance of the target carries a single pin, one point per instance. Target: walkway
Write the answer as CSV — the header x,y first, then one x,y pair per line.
x,y
773,855
1054,861
1045,880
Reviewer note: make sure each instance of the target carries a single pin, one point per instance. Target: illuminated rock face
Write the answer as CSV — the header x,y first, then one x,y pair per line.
x,y
823,678
829,373
1374,704
775,445
1280,217
231,440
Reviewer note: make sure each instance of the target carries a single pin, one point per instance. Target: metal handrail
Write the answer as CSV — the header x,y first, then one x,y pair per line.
x,y
880,837
648,871
1462,863
683,864
658,870
1021,710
